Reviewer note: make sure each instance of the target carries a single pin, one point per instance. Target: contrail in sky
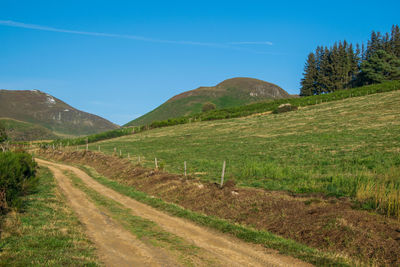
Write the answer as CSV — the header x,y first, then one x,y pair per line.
x,y
126,36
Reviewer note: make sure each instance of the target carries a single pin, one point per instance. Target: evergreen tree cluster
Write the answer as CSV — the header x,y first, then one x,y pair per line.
x,y
345,66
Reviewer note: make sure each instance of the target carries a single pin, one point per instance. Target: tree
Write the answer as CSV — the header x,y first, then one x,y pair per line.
x,y
374,44
395,40
379,67
308,83
208,106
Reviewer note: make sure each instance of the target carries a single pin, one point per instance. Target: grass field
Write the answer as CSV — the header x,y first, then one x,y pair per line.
x,y
45,232
343,148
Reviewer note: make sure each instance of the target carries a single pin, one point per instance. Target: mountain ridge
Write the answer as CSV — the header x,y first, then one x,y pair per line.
x,y
228,93
40,108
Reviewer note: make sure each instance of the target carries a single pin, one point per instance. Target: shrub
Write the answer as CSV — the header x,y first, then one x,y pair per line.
x,y
17,177
3,137
208,106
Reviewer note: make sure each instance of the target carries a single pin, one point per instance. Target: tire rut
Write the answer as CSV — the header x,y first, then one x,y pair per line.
x,y
116,246
227,249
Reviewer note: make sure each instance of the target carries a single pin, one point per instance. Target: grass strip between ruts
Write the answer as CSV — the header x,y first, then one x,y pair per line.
x,y
267,239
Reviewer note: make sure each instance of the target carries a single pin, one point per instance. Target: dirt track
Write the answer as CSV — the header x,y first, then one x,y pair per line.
x,y
118,247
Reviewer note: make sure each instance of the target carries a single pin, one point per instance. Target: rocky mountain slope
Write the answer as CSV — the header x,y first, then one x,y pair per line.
x,y
42,109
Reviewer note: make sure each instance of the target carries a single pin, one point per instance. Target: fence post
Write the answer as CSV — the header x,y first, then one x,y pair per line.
x,y
139,159
87,144
223,174
185,167
129,155
155,162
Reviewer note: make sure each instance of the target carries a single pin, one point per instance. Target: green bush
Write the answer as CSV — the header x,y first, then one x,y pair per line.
x,y
208,106
17,177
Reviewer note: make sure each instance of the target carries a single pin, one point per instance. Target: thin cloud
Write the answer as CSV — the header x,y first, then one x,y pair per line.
x,y
229,45
102,34
251,43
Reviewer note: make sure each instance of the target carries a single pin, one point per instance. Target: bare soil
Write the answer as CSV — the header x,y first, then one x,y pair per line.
x,y
329,224
118,247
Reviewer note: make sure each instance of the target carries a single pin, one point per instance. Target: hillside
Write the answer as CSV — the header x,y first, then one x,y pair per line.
x,y
42,109
25,131
265,150
335,159
229,93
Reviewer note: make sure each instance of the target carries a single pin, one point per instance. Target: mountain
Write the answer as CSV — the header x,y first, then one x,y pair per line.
x,y
229,93
38,108
25,131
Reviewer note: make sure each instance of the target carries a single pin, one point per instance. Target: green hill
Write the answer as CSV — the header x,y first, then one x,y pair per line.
x,y
229,93
25,131
42,109
343,148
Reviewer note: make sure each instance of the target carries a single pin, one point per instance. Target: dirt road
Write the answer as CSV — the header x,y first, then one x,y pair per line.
x,y
118,247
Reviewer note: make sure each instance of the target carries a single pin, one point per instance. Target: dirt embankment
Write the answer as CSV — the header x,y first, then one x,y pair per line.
x,y
117,247
325,223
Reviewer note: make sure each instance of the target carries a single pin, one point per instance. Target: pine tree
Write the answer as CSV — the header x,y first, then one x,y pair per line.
x,y
395,40
308,83
379,67
374,44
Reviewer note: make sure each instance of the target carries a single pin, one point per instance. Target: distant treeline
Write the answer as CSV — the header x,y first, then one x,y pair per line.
x,y
235,112
345,66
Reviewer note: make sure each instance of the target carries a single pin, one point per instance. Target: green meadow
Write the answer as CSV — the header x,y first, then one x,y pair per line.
x,y
342,148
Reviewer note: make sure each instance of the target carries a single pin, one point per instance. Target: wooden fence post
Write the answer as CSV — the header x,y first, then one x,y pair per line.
x,y
155,162
223,174
185,167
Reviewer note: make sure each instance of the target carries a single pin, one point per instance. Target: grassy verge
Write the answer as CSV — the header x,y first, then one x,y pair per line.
x,y
284,246
146,230
46,233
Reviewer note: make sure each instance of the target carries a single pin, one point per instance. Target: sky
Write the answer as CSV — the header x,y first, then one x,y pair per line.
x,y
121,59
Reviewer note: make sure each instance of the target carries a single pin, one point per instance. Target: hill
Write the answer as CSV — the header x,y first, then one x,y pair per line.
x,y
25,131
229,93
355,140
334,158
42,109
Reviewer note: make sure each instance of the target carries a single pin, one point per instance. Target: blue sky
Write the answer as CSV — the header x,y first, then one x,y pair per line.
x,y
121,59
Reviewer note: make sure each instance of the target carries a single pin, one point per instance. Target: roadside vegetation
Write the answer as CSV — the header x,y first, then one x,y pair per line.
x,y
46,232
17,175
